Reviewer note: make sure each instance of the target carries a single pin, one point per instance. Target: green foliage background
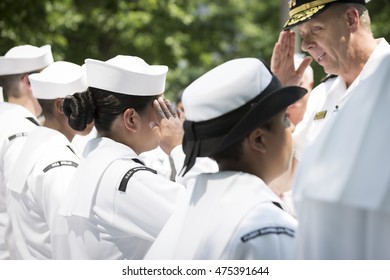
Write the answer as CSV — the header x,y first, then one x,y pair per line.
x,y
190,36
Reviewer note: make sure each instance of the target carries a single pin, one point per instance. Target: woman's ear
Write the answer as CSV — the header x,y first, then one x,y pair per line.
x,y
130,119
58,105
258,140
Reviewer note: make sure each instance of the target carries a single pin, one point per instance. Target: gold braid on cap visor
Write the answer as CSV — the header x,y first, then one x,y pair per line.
x,y
302,15
309,5
306,11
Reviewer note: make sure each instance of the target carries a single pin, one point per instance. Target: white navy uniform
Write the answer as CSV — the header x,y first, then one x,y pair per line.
x,y
15,124
227,215
342,185
80,141
327,99
158,160
116,206
39,181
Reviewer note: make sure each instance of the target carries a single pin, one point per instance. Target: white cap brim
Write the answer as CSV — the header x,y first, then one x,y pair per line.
x,y
237,81
25,59
59,80
127,75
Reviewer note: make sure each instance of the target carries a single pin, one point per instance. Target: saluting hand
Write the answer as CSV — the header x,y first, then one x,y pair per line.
x,y
282,61
169,128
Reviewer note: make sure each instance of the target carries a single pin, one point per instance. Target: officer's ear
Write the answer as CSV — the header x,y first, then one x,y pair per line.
x,y
130,119
352,18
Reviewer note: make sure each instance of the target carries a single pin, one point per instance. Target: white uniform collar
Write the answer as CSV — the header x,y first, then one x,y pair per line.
x,y
382,49
100,153
33,149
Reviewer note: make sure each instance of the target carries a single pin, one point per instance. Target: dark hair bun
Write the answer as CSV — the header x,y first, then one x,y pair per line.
x,y
79,108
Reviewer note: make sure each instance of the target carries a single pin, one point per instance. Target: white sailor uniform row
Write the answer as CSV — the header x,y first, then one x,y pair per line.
x,y
15,122
115,206
41,178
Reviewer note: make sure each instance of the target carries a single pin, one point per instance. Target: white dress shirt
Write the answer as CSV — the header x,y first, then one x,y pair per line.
x,y
341,192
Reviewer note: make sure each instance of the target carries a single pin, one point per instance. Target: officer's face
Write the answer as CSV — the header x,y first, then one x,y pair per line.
x,y
326,39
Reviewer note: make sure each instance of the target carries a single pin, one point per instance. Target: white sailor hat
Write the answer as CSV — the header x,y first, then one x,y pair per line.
x,y
58,80
24,59
228,102
127,75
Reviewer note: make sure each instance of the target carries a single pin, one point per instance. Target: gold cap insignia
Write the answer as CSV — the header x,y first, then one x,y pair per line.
x,y
292,3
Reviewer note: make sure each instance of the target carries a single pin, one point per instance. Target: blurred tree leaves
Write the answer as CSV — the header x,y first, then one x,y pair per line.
x,y
380,18
190,36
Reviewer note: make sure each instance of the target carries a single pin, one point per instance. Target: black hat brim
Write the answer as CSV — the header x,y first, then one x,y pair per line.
x,y
261,111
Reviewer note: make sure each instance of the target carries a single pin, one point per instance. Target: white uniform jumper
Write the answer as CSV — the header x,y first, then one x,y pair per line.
x,y
227,215
39,181
15,124
116,206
